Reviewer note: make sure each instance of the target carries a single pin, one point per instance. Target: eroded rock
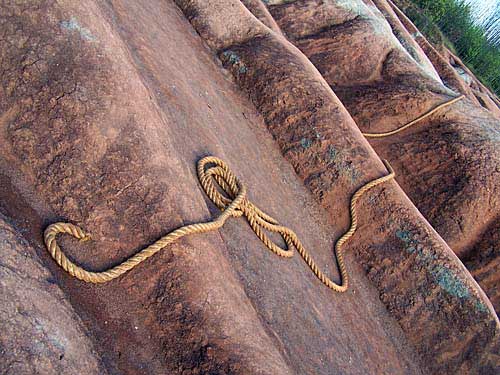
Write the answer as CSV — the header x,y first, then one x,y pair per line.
x,y
116,151
327,151
118,157
40,331
448,163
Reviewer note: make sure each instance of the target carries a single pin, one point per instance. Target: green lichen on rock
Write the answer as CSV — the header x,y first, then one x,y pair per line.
x,y
444,276
333,153
73,25
305,143
230,57
344,166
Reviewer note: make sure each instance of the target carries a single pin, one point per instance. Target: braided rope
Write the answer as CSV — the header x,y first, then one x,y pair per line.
x,y
418,119
232,202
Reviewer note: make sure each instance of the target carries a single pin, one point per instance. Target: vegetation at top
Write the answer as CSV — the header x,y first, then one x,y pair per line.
x,y
473,36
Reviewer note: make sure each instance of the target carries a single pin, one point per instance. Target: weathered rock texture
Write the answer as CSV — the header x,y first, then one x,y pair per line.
x,y
321,141
106,107
484,262
448,163
39,331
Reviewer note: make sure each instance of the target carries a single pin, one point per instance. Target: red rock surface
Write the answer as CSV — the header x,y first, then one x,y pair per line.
x,y
448,163
484,262
40,331
106,108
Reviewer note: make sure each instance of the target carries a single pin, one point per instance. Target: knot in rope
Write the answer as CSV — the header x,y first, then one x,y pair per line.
x,y
235,203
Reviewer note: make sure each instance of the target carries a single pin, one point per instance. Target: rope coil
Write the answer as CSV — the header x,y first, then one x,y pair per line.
x,y
233,203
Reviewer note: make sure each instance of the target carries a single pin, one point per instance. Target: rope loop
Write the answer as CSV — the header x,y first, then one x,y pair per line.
x,y
212,169
214,176
228,193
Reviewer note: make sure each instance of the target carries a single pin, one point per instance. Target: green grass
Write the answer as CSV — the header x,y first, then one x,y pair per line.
x,y
450,22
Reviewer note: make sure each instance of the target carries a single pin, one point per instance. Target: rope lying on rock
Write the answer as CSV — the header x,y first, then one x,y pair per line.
x,y
233,203
418,119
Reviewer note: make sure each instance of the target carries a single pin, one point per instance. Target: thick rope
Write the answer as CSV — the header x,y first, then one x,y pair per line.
x,y
232,202
418,119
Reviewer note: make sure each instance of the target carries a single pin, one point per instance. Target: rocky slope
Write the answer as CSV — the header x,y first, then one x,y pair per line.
x,y
448,163
105,110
